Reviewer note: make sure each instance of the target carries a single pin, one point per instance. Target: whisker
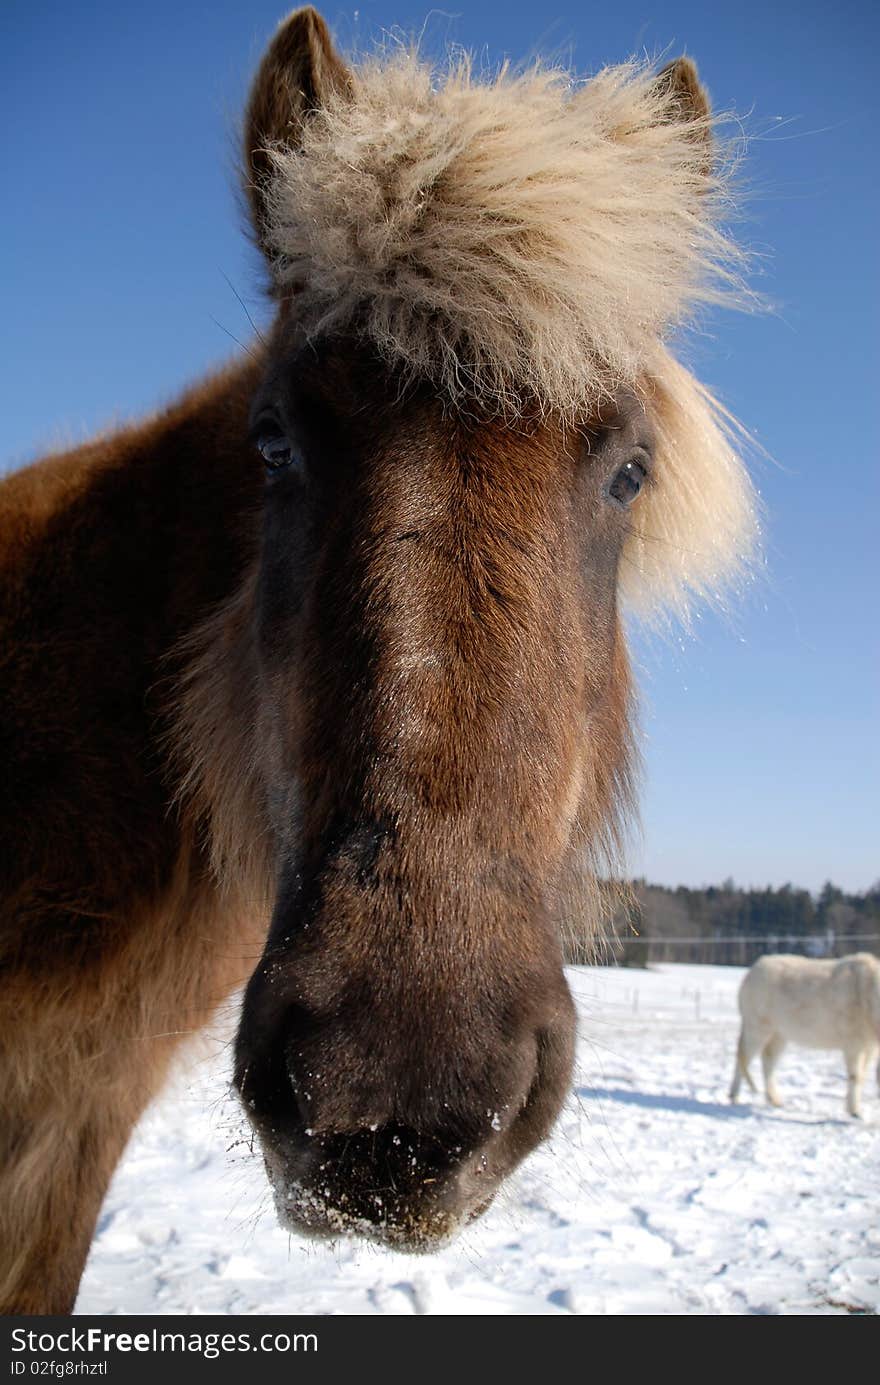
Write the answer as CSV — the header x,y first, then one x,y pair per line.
x,y
256,329
234,338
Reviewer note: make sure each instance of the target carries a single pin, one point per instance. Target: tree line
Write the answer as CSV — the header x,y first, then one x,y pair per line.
x,y
725,924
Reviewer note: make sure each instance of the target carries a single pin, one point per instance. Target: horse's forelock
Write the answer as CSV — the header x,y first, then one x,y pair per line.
x,y
528,238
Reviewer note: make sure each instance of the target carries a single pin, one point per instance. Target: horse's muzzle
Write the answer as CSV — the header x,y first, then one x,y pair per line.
x,y
388,1185
348,1168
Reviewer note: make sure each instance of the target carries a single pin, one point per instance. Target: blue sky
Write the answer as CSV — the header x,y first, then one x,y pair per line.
x,y
121,230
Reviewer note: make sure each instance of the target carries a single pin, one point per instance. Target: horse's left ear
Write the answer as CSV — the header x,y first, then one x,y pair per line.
x,y
299,71
686,101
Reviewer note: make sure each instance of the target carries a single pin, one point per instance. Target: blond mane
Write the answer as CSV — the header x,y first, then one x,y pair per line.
x,y
528,240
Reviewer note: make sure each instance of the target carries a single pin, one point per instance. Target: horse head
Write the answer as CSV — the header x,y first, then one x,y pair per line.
x,y
476,444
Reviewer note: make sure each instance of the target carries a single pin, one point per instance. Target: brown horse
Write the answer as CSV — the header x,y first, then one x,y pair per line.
x,y
321,670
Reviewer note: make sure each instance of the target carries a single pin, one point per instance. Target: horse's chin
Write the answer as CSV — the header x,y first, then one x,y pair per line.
x,y
305,1211
306,1214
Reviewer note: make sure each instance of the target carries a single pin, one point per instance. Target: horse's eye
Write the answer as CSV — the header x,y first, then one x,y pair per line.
x,y
627,482
276,450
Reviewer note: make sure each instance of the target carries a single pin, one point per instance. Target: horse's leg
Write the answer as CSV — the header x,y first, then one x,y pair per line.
x,y
856,1066
745,1052
769,1058
78,1069
57,1159
86,1050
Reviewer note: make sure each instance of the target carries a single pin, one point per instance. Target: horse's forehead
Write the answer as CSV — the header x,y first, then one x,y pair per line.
x,y
344,384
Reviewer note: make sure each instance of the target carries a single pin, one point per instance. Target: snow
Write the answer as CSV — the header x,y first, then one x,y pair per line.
x,y
654,1195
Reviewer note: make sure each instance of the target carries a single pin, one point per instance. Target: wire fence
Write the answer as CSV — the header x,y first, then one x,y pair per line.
x,y
729,949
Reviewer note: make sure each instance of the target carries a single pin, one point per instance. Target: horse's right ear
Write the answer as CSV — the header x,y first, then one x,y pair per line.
x,y
687,104
300,69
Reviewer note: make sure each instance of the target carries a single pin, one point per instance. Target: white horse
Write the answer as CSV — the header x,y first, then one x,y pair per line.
x,y
819,1004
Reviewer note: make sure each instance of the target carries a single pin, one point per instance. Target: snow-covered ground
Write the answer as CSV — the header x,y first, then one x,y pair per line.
x,y
654,1195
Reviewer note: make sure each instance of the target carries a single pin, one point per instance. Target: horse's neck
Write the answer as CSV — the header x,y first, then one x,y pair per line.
x,y
137,532
109,556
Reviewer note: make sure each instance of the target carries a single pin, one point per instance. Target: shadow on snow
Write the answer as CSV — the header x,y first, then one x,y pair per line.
x,y
659,1101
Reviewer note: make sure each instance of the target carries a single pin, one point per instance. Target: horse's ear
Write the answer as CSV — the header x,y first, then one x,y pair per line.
x,y
299,71
687,101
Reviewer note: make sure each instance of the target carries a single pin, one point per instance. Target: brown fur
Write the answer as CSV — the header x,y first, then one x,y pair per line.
x,y
107,554
368,717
